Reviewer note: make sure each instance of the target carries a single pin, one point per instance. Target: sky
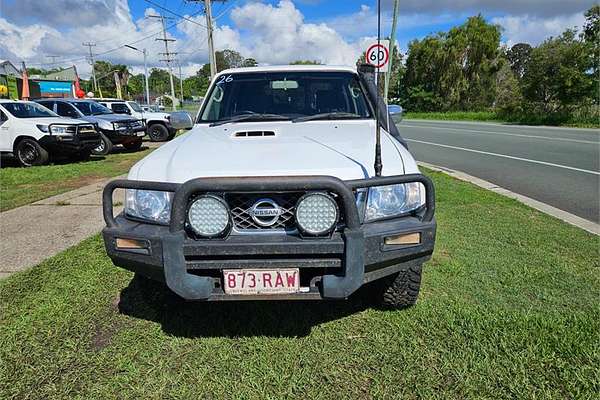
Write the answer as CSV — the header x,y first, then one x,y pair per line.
x,y
272,32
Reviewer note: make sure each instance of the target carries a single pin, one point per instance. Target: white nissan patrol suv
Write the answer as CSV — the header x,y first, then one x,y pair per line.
x,y
291,185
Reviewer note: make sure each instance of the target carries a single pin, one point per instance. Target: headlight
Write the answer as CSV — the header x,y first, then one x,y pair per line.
x,y
393,200
43,128
105,125
59,130
316,213
209,216
151,205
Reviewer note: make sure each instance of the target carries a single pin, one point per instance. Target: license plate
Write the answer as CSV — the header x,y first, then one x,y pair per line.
x,y
141,133
261,281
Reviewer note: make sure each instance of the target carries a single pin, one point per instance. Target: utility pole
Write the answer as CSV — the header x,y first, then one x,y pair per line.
x,y
209,30
180,83
168,55
211,46
392,50
90,45
143,51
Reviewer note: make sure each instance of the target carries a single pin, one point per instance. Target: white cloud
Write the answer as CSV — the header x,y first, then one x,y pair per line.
x,y
270,33
541,8
534,30
278,34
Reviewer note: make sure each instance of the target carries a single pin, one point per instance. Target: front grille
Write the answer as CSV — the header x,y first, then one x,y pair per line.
x,y
86,130
241,206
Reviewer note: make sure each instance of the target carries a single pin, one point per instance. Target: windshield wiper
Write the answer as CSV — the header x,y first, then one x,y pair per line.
x,y
329,115
245,117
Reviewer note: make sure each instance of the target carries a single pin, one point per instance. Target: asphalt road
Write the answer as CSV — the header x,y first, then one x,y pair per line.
x,y
557,166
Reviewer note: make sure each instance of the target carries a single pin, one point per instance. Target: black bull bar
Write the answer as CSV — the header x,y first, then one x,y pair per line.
x,y
191,286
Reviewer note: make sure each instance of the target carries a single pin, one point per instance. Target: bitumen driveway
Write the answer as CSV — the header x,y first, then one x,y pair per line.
x,y
557,166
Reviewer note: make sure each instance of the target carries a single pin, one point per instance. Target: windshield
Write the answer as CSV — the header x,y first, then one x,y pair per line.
x,y
289,95
28,110
91,108
135,106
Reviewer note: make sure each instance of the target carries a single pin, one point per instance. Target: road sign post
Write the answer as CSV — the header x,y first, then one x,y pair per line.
x,y
378,55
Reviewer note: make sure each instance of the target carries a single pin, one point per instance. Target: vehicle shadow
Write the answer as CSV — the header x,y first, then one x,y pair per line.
x,y
9,161
153,301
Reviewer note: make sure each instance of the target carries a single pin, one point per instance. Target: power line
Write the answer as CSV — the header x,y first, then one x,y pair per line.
x,y
174,13
82,58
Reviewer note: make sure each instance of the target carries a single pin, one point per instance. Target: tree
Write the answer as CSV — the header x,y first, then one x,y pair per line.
x,y
453,70
228,59
557,77
249,62
306,62
518,56
136,86
508,92
159,81
105,77
591,36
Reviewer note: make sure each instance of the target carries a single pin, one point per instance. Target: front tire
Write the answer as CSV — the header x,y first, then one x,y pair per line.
x,y
104,147
29,153
399,290
158,133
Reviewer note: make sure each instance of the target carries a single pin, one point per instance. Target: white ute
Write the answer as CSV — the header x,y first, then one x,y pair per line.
x,y
158,124
279,192
32,133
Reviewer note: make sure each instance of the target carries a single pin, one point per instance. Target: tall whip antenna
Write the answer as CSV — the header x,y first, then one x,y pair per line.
x,y
378,165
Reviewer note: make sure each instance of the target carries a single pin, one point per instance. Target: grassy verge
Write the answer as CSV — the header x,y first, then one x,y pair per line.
x,y
20,186
509,309
489,116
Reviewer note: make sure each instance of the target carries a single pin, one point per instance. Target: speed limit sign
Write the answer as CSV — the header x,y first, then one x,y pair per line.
x,y
378,55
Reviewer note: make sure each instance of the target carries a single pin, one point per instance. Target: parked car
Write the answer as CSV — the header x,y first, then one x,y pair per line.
x,y
150,108
279,192
114,129
33,134
158,124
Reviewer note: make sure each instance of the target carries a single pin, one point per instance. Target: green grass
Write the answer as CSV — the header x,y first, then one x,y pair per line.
x,y
509,308
20,186
490,116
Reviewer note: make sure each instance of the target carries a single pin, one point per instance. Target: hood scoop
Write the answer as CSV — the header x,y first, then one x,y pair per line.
x,y
254,134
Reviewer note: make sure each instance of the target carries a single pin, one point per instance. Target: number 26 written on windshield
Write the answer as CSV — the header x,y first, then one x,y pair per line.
x,y
225,79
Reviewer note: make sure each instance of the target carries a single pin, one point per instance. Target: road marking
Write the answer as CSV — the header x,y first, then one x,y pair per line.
x,y
507,156
565,216
504,125
503,133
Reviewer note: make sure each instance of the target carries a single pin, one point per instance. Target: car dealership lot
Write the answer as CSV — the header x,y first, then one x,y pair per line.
x,y
557,166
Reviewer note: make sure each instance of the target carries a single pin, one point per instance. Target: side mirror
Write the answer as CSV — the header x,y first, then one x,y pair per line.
x,y
396,112
181,120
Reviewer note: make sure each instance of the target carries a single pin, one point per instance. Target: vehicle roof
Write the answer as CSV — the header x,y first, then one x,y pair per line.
x,y
108,100
70,100
291,68
14,101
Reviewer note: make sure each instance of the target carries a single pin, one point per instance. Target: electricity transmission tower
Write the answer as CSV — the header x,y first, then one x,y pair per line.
x,y
92,62
168,56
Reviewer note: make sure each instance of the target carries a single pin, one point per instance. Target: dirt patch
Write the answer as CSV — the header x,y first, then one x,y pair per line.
x,y
103,334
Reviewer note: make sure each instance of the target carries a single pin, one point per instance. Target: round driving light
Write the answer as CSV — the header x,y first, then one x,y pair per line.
x,y
316,213
209,216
